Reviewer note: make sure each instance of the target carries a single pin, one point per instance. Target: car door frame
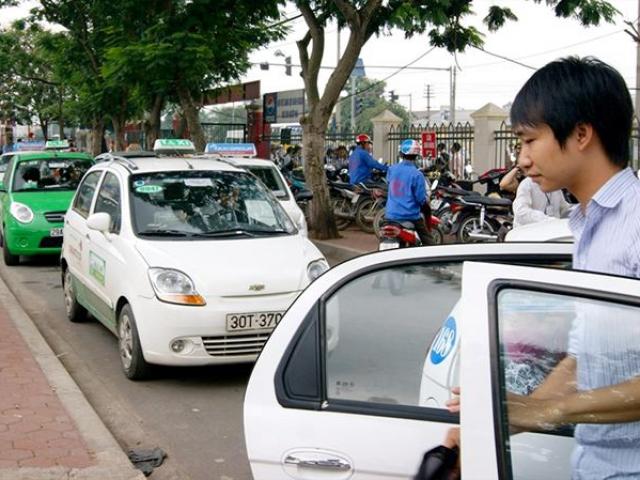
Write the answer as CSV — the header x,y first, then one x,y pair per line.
x,y
411,424
483,430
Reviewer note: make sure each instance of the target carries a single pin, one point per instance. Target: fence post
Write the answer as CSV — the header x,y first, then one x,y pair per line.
x,y
486,121
382,123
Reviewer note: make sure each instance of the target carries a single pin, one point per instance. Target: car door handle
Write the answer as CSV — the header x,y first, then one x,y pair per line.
x,y
324,464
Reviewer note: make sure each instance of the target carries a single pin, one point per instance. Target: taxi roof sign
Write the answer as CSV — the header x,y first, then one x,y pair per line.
x,y
232,149
173,145
30,146
56,144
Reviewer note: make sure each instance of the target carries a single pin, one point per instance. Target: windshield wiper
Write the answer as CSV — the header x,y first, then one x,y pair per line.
x,y
232,232
164,233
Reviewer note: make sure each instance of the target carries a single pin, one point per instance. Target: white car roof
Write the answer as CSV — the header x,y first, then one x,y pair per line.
x,y
167,164
554,230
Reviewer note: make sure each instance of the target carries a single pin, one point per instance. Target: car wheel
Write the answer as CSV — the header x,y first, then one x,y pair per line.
x,y
75,312
133,363
9,258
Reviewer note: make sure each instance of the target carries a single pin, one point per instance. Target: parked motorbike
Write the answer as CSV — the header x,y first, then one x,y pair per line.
x,y
482,219
355,202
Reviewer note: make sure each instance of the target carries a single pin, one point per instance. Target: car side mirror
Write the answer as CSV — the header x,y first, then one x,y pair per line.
x,y
99,222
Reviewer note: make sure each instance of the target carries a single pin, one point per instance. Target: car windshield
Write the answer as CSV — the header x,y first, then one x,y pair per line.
x,y
205,204
49,174
270,177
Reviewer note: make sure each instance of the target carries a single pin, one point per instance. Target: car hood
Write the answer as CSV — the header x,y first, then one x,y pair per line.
x,y
231,267
45,200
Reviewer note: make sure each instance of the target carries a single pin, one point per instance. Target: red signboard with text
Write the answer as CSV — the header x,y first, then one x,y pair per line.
x,y
429,144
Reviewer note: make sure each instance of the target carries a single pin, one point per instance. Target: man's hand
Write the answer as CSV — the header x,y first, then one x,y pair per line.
x,y
454,404
530,413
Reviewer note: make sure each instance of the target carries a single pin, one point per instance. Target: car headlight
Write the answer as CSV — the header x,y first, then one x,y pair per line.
x,y
21,212
317,268
174,286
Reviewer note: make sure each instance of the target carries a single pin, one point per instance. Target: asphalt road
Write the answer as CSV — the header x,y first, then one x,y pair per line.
x,y
194,414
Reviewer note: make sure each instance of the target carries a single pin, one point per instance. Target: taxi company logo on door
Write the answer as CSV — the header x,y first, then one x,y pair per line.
x,y
444,341
97,267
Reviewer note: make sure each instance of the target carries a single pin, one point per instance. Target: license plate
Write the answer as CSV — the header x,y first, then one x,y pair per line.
x,y
55,232
389,245
435,203
253,321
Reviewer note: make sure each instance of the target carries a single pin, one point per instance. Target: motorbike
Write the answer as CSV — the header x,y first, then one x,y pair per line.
x,y
356,202
482,218
403,234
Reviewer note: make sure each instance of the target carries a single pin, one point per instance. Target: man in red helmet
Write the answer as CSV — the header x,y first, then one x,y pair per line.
x,y
361,163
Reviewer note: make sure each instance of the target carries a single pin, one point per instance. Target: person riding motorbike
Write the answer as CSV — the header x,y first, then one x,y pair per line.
x,y
361,163
407,199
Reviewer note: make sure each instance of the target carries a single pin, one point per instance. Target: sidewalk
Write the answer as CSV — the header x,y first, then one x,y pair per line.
x,y
354,242
48,430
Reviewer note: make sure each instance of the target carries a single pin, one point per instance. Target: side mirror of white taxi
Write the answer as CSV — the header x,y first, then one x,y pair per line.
x,y
99,222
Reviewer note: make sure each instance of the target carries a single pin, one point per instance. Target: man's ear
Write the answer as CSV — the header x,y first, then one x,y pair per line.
x,y
584,133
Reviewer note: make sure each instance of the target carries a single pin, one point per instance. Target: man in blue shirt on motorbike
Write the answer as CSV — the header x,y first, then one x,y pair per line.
x,y
361,163
407,199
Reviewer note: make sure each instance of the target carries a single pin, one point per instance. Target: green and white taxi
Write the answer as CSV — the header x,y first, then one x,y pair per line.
x,y
188,260
35,193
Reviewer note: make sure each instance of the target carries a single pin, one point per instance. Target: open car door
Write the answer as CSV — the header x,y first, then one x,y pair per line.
x,y
530,324
353,381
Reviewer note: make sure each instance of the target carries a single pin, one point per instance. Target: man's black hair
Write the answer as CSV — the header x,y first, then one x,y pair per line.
x,y
572,91
441,146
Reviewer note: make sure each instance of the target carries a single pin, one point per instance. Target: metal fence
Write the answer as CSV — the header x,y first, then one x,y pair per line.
x,y
506,142
225,132
447,133
635,146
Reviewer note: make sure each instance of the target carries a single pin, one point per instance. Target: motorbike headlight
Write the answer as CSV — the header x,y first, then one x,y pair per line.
x,y
21,212
316,268
174,286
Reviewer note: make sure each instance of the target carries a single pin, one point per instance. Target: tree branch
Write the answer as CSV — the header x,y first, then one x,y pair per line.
x,y
348,11
315,34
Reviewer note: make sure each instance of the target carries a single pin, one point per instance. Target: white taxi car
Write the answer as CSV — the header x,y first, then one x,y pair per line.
x,y
355,377
188,261
242,155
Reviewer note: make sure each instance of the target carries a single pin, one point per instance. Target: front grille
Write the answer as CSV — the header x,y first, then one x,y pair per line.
x,y
54,217
235,345
51,242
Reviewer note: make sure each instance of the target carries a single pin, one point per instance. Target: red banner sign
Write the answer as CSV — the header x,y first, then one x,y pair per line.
x,y
429,144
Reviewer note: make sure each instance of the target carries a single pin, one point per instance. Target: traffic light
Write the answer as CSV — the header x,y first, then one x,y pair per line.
x,y
285,136
287,66
359,105
392,96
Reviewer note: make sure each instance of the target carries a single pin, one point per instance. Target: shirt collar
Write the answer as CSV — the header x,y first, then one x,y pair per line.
x,y
614,190
608,196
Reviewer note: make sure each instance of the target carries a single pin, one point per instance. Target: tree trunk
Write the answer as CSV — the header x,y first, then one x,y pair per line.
x,y
97,136
119,122
152,123
44,126
191,115
60,112
323,225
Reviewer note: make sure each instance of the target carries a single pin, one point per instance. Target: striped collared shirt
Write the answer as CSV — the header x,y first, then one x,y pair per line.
x,y
607,240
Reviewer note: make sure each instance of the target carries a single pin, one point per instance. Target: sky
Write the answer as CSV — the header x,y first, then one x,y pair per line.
x,y
535,39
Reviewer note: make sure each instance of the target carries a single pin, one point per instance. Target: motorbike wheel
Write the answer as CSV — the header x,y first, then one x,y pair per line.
x,y
378,220
365,214
341,212
436,236
471,224
446,218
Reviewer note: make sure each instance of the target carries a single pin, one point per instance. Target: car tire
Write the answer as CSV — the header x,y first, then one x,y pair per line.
x,y
10,259
132,360
76,313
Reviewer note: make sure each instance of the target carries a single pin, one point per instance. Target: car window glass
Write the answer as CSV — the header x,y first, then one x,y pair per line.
x,y
108,201
205,203
270,177
49,174
553,345
82,202
379,331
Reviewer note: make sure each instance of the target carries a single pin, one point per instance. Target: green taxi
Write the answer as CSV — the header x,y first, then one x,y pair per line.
x,y
35,193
